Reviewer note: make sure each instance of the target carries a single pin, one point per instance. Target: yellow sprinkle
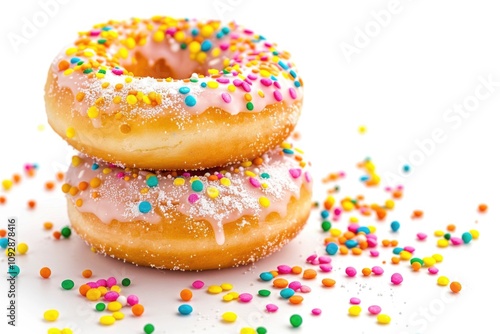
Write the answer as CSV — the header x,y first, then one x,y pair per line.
x,y
117,99
474,233
66,330
353,219
248,97
443,280
234,294
229,316
212,84
438,257
225,181
438,233
123,53
354,310
247,330
247,163
69,71
214,289
429,261
107,320
75,161
116,288
88,53
216,52
71,51
194,47
93,112
180,36
79,202
261,93
264,185
212,192
99,75
118,315
158,36
131,99
347,205
70,132
102,289
405,255
335,232
265,73
201,57
130,43
286,145
264,202
51,315
106,170
389,204
362,129
128,79
54,330
227,297
383,319
443,243
231,88
226,286
95,182
179,181
114,306
207,31
249,173
22,248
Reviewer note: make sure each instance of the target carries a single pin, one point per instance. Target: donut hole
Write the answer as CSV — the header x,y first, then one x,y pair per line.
x,y
167,67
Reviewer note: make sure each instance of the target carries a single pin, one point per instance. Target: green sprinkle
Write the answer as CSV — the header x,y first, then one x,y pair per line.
x,y
67,284
416,259
101,41
66,232
102,71
261,330
264,293
296,320
326,225
87,70
126,282
250,106
100,307
265,176
447,236
149,328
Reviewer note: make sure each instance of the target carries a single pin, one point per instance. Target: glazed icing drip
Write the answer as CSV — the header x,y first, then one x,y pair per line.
x,y
253,188
224,66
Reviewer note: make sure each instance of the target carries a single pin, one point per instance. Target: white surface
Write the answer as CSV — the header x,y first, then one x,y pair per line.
x,y
400,85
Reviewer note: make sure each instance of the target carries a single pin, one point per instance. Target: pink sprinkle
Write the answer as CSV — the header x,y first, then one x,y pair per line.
x,y
186,175
237,82
307,176
353,228
315,262
132,300
226,97
421,236
350,271
254,182
305,289
246,87
111,296
224,46
277,95
117,71
252,76
245,297
111,281
409,249
198,284
292,92
295,172
374,253
311,258
93,285
316,311
193,198
337,211
374,309
266,82
433,270
295,285
277,84
101,282
326,267
456,241
271,308
222,80
323,259
94,33
376,270
355,301
396,279
120,175
248,31
284,269
372,242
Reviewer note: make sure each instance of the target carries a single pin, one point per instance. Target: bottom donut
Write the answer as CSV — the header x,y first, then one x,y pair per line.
x,y
190,220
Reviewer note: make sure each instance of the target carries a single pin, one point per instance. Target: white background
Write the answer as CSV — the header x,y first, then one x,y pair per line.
x,y
400,84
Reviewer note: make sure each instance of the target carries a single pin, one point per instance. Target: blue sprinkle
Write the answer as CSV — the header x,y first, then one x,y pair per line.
x,y
107,28
152,181
466,237
184,90
287,293
275,53
364,178
74,60
363,229
4,242
395,225
206,45
266,276
95,166
145,207
406,168
225,30
195,32
185,309
293,74
325,214
190,101
265,176
397,250
203,84
219,35
273,78
332,248
351,243
283,65
287,151
296,83
14,270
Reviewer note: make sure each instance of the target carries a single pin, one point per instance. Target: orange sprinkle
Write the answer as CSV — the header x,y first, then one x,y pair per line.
x,y
309,274
342,240
3,233
57,235
49,185
296,270
397,194
274,273
296,299
349,235
395,259
343,250
3,200
482,207
83,185
394,243
63,65
366,271
328,282
416,266
356,251
137,310
60,176
186,294
451,228
16,178
48,225
386,243
417,214
87,273
83,289
455,287
280,283
31,204
363,244
45,272
381,213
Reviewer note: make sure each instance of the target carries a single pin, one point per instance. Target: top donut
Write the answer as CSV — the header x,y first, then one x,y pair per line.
x,y
165,93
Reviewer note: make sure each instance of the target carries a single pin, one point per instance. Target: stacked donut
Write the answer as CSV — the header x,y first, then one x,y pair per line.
x,y
181,127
